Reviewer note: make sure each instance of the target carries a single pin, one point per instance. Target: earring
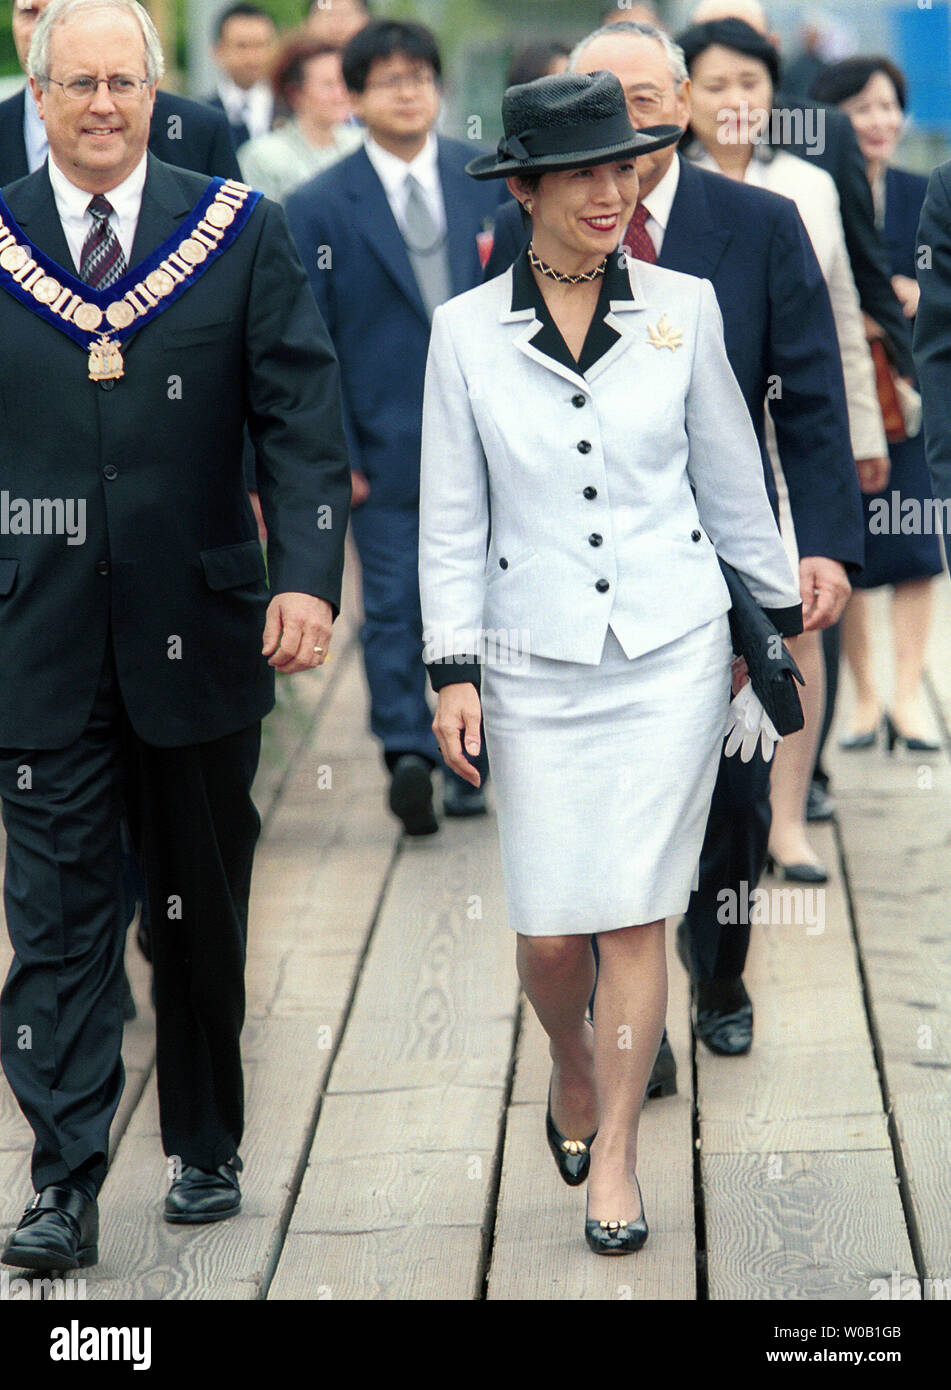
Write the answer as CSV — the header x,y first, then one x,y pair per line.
x,y
528,206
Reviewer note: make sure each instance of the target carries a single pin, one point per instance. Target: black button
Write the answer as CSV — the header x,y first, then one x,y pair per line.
x,y
110,471
102,567
109,384
602,586
584,447
590,493
696,536
578,401
503,563
595,539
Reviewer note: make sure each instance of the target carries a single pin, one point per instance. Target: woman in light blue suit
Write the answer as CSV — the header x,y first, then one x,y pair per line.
x,y
586,453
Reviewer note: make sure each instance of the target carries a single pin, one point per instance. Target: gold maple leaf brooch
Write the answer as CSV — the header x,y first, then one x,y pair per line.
x,y
665,335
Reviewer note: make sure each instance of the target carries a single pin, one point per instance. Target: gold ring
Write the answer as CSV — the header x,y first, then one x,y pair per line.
x,y
318,649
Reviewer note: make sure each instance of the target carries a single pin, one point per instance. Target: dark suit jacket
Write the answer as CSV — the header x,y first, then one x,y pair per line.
x,y
932,336
841,157
362,278
171,547
780,338
183,132
904,199
239,131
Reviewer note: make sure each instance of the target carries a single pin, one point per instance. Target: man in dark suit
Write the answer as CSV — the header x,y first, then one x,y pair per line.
x,y
933,336
245,48
781,343
138,640
183,132
386,235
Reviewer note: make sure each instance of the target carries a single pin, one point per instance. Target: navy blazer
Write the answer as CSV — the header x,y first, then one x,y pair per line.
x,y
364,284
904,199
185,133
780,340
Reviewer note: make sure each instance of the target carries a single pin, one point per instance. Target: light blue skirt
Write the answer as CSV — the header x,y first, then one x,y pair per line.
x,y
603,778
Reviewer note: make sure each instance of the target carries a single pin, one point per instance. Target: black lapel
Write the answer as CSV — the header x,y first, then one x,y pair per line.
x,y
13,163
378,227
34,208
694,241
164,203
600,337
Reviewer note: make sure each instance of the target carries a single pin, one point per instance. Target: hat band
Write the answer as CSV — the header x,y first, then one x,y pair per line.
x,y
591,137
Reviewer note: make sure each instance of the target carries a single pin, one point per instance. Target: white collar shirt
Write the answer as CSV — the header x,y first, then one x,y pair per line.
x,y
659,202
252,106
72,204
393,172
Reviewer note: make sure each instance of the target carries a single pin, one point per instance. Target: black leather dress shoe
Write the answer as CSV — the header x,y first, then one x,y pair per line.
x,y
724,1016
411,795
461,798
663,1077
58,1230
198,1197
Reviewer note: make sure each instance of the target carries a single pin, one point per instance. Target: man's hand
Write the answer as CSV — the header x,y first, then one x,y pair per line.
x,y
296,625
873,473
824,588
459,711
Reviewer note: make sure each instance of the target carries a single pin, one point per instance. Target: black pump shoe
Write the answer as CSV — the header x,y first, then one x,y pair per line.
x,y
616,1237
914,745
572,1156
663,1077
58,1230
198,1196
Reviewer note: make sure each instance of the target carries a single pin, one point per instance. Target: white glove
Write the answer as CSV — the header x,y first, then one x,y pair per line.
x,y
747,722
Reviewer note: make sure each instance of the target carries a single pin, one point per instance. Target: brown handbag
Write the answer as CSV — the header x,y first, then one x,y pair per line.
x,y
892,415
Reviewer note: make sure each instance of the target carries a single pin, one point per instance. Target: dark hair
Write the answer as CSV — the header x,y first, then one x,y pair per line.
x,y
840,81
240,11
296,53
534,60
383,38
729,33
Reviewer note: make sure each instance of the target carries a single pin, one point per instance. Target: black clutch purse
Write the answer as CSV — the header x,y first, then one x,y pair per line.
x,y
773,673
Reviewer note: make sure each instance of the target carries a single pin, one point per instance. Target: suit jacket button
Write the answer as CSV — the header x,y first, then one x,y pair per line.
x,y
108,384
584,447
602,586
102,567
696,536
590,493
110,471
595,539
578,401
503,563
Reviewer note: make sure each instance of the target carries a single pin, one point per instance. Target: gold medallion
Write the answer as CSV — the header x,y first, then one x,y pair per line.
x,y
120,314
14,258
46,289
105,360
220,215
159,283
192,252
87,317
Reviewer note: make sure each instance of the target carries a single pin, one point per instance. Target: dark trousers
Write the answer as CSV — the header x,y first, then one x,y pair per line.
x,y
734,851
194,828
830,655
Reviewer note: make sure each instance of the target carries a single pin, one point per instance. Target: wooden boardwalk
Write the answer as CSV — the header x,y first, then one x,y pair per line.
x,y
396,1083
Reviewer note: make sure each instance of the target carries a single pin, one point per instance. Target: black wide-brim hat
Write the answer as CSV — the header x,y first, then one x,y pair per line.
x,y
569,120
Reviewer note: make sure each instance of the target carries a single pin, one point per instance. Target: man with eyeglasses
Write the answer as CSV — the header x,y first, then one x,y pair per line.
x,y
187,133
386,235
148,317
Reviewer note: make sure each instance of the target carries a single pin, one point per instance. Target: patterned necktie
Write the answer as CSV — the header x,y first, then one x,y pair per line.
x,y
101,262
637,238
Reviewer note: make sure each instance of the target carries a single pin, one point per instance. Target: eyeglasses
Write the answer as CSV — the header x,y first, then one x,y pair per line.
x,y
415,81
121,87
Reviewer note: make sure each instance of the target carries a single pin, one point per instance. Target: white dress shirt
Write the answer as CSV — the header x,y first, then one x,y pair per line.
x,y
34,134
393,171
72,204
252,105
659,202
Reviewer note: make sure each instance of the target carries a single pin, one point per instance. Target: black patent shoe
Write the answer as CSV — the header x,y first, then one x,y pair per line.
x,y
724,1016
198,1196
572,1156
894,736
58,1230
796,873
663,1077
616,1237
411,795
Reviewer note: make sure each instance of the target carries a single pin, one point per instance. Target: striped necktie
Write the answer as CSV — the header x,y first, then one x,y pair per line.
x,y
637,238
101,262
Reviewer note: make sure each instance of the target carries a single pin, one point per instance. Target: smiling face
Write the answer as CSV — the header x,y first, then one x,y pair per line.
x,y
730,97
578,215
876,117
97,142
